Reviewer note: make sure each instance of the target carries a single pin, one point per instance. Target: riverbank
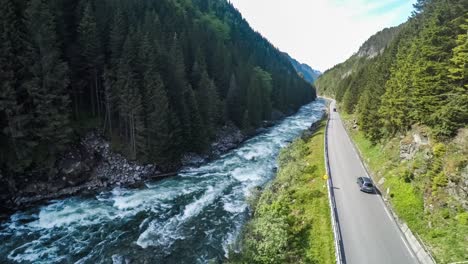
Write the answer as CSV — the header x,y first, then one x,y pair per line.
x,y
189,218
426,184
291,217
92,166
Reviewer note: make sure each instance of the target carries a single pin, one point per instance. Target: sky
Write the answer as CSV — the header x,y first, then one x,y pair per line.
x,y
322,33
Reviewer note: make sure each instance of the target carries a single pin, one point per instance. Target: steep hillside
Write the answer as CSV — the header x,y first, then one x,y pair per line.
x,y
304,70
340,74
407,107
156,78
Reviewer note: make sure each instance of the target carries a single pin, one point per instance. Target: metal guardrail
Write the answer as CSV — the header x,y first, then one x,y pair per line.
x,y
339,249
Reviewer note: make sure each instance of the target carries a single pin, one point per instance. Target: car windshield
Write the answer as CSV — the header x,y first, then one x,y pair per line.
x,y
368,184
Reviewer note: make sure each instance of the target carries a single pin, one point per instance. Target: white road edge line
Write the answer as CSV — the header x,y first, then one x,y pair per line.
x,y
381,198
407,246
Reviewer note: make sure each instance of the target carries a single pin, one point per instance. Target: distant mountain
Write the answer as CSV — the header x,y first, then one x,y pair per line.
x,y
376,44
304,70
333,78
404,83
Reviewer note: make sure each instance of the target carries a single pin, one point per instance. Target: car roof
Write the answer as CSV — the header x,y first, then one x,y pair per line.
x,y
366,179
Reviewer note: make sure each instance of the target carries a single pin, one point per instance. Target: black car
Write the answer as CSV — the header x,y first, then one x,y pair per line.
x,y
366,185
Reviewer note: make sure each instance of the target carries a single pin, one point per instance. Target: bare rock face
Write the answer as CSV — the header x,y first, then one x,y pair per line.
x,y
407,151
421,139
193,159
75,167
227,138
458,188
409,146
86,167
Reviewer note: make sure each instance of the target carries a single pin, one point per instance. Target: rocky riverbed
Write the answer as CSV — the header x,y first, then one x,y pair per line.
x,y
192,217
91,166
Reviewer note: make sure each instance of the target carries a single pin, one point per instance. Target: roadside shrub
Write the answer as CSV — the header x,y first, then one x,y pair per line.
x,y
439,181
439,149
462,218
406,175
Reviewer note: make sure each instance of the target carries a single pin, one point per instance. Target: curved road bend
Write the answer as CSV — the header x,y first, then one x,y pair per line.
x,y
369,233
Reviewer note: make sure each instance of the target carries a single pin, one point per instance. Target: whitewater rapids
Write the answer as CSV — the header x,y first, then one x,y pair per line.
x,y
190,218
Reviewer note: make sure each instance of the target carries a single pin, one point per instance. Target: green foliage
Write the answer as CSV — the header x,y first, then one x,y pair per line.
x,y
439,149
406,175
439,181
221,29
335,81
462,218
419,78
291,222
159,77
48,101
259,94
418,190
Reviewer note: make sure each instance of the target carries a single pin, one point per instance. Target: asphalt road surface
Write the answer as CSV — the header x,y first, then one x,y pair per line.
x,y
369,232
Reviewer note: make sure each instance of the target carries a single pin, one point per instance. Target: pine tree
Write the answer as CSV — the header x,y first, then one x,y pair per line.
x,y
198,68
432,89
176,80
454,112
459,61
259,96
119,31
197,139
47,88
130,67
129,101
397,100
233,102
12,119
254,101
109,100
208,103
158,119
90,48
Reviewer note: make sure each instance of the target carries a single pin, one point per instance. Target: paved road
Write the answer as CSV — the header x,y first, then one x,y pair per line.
x,y
369,233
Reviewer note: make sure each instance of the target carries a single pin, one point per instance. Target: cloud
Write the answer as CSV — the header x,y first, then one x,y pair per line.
x,y
319,32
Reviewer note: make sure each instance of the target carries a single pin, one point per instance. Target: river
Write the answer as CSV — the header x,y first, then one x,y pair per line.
x,y
190,218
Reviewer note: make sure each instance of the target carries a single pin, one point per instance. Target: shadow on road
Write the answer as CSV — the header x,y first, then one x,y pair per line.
x,y
377,192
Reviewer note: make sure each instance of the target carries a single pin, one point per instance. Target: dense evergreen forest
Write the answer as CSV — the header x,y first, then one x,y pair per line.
x,y
157,77
404,84
416,73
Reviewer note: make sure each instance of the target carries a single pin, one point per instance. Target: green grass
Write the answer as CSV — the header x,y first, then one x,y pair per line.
x,y
291,222
416,192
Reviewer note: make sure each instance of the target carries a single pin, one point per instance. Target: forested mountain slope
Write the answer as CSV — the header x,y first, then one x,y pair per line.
x,y
304,70
407,110
340,75
157,77
420,78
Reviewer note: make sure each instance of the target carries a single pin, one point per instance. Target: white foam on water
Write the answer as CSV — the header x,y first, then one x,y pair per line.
x,y
234,206
164,234
52,233
63,214
35,252
230,238
143,199
248,174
